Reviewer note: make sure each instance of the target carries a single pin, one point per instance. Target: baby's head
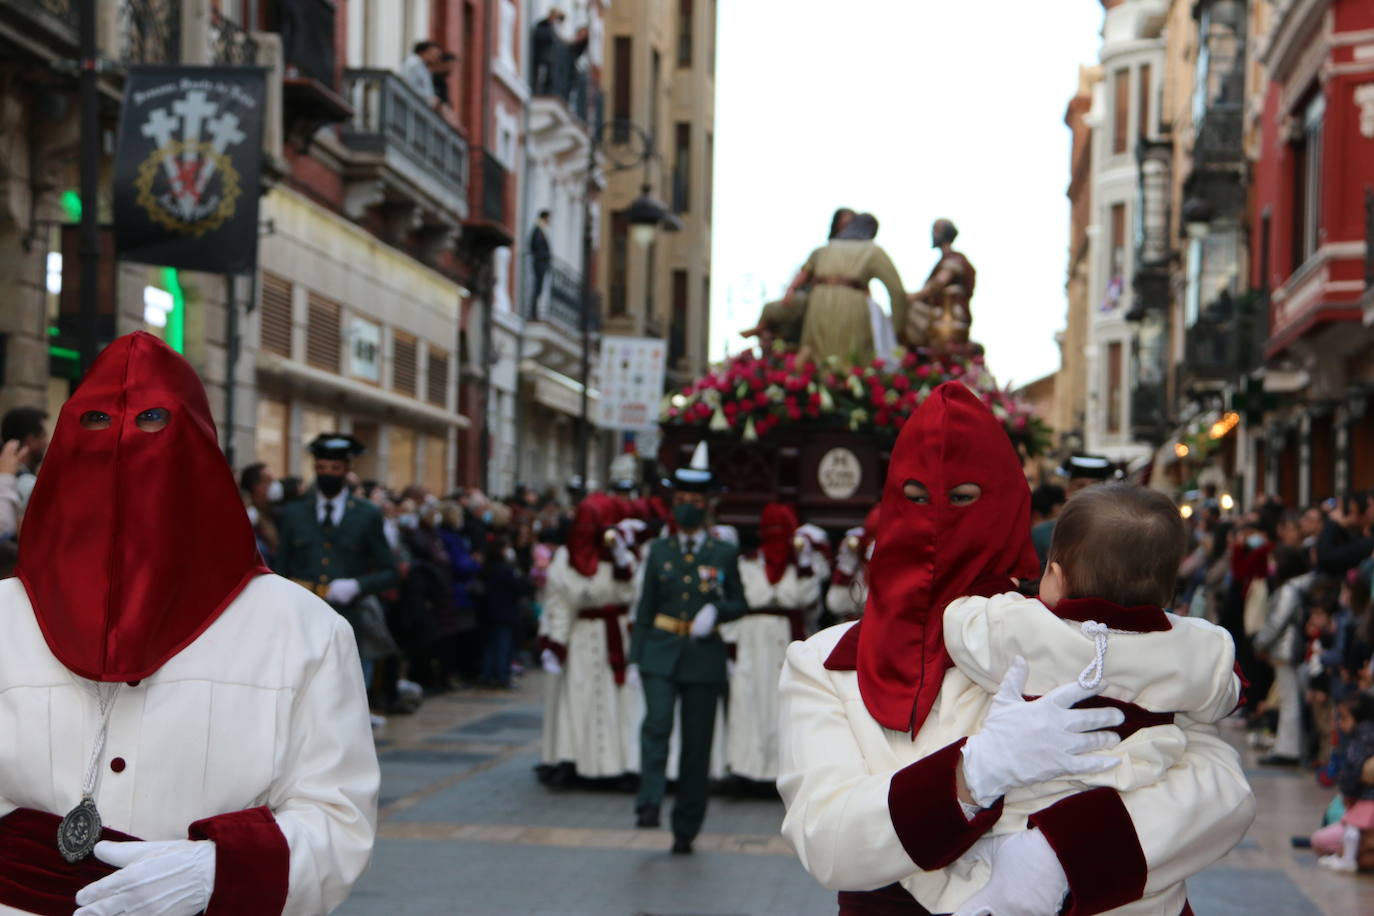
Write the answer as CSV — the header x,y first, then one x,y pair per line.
x,y
1354,709
1118,542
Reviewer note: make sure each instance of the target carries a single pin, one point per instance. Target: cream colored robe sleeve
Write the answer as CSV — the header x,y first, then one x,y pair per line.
x,y
325,801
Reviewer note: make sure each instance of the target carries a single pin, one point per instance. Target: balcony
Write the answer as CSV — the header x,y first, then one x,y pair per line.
x,y
1153,251
1149,413
310,80
230,43
1220,137
406,157
554,333
489,224
566,106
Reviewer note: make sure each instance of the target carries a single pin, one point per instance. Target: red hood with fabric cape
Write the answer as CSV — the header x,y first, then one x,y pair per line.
x,y
929,554
134,541
777,525
586,540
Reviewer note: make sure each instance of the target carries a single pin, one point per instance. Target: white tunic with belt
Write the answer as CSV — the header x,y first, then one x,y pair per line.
x,y
265,708
761,638
591,721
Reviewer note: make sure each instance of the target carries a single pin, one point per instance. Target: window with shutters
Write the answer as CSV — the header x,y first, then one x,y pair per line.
x,y
276,315
436,384
322,333
1121,111
1143,93
403,364
621,65
682,167
684,33
1115,374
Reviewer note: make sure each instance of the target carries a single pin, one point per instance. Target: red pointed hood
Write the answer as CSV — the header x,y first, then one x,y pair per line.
x,y
929,554
777,525
586,540
134,542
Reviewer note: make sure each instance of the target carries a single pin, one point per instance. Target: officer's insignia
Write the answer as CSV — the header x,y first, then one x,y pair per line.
x,y
188,184
707,573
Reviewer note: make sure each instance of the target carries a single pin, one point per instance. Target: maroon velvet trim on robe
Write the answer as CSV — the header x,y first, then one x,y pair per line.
x,y
252,863
33,875
794,615
1137,717
1096,843
923,802
1142,619
559,650
892,900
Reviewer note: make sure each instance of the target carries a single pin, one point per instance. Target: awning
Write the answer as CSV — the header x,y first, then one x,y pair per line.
x,y
318,382
558,392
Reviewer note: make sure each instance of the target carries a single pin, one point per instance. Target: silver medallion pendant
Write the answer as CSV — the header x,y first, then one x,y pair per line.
x,y
79,831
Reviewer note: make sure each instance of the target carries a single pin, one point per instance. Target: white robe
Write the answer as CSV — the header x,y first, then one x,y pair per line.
x,y
761,640
590,720
266,707
837,763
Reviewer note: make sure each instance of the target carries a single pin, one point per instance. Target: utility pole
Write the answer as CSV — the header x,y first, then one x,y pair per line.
x,y
88,248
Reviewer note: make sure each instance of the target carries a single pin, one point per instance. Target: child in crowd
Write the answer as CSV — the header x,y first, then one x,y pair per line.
x,y
1112,568
1339,844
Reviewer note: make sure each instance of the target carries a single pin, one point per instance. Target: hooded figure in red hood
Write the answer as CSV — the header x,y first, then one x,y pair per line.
x,y
778,524
210,714
956,519
134,486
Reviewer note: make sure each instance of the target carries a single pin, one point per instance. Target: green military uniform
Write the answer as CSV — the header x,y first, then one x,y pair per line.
x,y
353,548
678,582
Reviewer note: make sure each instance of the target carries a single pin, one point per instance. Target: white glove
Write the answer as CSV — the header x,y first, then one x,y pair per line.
x,y
815,536
704,622
342,591
1027,879
623,556
632,675
847,558
549,659
1021,743
631,529
168,878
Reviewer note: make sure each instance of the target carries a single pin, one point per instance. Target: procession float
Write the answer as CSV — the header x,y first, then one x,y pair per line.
x,y
810,414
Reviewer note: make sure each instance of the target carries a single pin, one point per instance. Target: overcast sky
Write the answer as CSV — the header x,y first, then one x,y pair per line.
x,y
911,109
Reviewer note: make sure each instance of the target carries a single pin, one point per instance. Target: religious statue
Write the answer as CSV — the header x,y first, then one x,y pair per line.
x,y
782,320
938,315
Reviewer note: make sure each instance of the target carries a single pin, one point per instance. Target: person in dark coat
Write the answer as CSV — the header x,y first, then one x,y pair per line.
x,y
541,255
500,614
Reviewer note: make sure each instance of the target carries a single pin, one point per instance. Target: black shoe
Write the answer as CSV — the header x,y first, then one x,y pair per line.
x,y
646,816
1301,842
682,846
1276,760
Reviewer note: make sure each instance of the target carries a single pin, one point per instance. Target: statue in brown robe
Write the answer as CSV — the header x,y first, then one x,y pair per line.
x,y
940,316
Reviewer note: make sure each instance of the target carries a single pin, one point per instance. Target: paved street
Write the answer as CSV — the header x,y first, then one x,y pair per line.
x,y
467,829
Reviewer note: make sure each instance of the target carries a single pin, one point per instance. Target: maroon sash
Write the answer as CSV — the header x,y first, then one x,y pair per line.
x,y
615,645
793,615
33,875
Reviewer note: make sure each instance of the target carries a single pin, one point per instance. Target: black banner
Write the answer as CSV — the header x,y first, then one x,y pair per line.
x,y
188,166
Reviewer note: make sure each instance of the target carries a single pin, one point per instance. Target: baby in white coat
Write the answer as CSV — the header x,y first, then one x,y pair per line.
x,y
1113,565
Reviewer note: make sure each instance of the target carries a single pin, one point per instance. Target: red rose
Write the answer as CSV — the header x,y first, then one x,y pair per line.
x,y
923,371
761,399
909,361
882,418
901,382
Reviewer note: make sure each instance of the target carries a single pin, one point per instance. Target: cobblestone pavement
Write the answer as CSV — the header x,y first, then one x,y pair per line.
x,y
466,829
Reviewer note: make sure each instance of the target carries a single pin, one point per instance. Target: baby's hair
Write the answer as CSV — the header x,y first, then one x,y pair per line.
x,y
1120,542
1360,705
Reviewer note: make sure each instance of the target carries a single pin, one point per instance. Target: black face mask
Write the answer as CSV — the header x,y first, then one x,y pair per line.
x,y
329,484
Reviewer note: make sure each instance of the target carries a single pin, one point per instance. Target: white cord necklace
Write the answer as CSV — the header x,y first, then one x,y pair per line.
x,y
80,829
1092,675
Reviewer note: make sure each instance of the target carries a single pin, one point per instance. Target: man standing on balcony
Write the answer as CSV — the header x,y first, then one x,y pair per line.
x,y
546,38
541,256
416,70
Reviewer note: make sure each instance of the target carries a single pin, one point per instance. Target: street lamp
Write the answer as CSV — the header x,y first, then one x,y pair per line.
x,y
645,216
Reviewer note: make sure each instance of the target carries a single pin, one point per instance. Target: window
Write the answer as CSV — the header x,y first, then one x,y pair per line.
x,y
1143,90
710,173
322,334
436,382
469,66
271,433
651,282
682,167
684,33
276,316
403,363
401,458
620,259
1307,183
655,90
705,313
1116,259
436,461
1114,373
1121,110
677,330
622,64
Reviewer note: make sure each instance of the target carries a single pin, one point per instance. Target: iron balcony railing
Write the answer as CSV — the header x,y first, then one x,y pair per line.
x,y
232,44
559,301
556,75
491,185
151,30
1220,136
388,114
